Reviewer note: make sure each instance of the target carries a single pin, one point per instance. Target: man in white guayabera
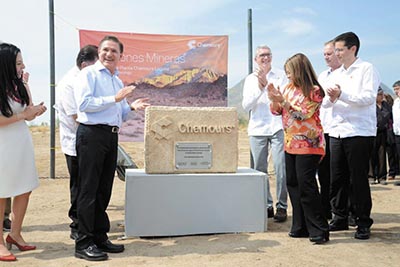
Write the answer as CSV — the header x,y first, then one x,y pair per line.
x,y
265,129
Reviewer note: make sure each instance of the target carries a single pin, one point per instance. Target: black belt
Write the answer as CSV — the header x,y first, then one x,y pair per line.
x,y
113,129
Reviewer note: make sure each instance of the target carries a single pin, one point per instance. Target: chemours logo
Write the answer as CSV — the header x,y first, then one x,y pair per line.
x,y
193,44
202,129
164,128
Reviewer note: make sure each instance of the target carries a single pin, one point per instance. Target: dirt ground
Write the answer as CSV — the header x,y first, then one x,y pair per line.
x,y
46,225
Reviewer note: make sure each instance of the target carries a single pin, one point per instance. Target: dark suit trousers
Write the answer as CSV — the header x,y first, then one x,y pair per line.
x,y
397,143
378,156
97,155
304,195
391,151
349,178
72,164
324,178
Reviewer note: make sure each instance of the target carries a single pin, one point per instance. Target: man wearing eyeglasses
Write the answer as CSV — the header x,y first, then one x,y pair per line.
x,y
265,129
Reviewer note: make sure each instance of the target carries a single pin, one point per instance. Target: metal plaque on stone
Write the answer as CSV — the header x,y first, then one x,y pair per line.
x,y
193,155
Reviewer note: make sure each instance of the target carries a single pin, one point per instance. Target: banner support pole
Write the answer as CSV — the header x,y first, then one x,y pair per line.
x,y
52,90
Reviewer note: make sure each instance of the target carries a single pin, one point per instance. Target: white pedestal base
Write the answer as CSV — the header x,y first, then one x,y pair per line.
x,y
186,204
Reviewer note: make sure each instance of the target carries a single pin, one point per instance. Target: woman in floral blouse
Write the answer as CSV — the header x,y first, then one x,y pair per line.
x,y
299,104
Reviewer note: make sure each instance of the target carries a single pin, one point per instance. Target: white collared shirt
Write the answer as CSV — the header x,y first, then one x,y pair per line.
x,y
396,116
66,108
262,122
325,113
95,90
354,113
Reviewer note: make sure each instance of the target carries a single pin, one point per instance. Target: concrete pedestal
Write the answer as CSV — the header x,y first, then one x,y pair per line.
x,y
186,204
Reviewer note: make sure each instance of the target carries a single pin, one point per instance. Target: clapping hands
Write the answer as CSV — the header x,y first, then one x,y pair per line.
x,y
32,111
262,78
333,93
274,94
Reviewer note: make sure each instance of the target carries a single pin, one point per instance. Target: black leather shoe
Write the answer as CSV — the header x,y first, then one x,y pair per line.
x,y
352,221
107,246
298,234
74,234
338,226
280,215
6,225
91,253
270,212
362,233
320,239
328,215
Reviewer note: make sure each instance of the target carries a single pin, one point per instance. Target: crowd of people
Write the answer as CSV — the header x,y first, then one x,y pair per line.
x,y
338,128
92,105
327,134
384,148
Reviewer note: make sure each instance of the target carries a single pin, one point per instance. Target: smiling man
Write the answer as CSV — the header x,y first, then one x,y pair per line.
x,y
352,96
265,129
324,169
102,106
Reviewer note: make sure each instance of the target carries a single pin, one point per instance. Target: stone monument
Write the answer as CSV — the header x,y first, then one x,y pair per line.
x,y
191,140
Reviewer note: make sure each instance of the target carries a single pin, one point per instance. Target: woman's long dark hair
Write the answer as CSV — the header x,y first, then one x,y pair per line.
x,y
11,86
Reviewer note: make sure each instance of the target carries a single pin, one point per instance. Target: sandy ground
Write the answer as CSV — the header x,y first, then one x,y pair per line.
x,y
46,225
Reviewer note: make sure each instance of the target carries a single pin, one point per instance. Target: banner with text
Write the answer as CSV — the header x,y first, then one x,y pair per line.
x,y
171,70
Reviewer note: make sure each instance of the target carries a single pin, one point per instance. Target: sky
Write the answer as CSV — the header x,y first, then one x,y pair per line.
x,y
287,27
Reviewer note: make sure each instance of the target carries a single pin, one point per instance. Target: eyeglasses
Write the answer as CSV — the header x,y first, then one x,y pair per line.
x,y
265,55
339,50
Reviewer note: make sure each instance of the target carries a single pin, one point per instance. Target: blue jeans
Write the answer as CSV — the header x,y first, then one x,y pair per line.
x,y
259,149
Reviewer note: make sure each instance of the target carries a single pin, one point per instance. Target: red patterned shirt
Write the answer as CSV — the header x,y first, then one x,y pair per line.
x,y
301,124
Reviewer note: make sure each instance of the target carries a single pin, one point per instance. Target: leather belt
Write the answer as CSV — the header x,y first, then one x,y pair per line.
x,y
113,129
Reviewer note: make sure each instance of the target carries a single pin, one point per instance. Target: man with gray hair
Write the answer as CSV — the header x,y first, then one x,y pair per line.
x,y
265,129
324,169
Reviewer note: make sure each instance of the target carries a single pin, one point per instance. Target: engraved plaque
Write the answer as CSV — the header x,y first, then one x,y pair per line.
x,y
191,140
193,155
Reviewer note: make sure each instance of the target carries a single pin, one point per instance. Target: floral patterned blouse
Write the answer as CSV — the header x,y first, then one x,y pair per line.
x,y
301,124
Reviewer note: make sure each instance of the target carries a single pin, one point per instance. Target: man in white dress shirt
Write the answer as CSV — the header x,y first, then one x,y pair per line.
x,y
352,96
66,108
265,129
324,171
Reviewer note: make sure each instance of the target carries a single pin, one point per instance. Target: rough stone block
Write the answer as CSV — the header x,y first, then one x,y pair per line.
x,y
191,140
